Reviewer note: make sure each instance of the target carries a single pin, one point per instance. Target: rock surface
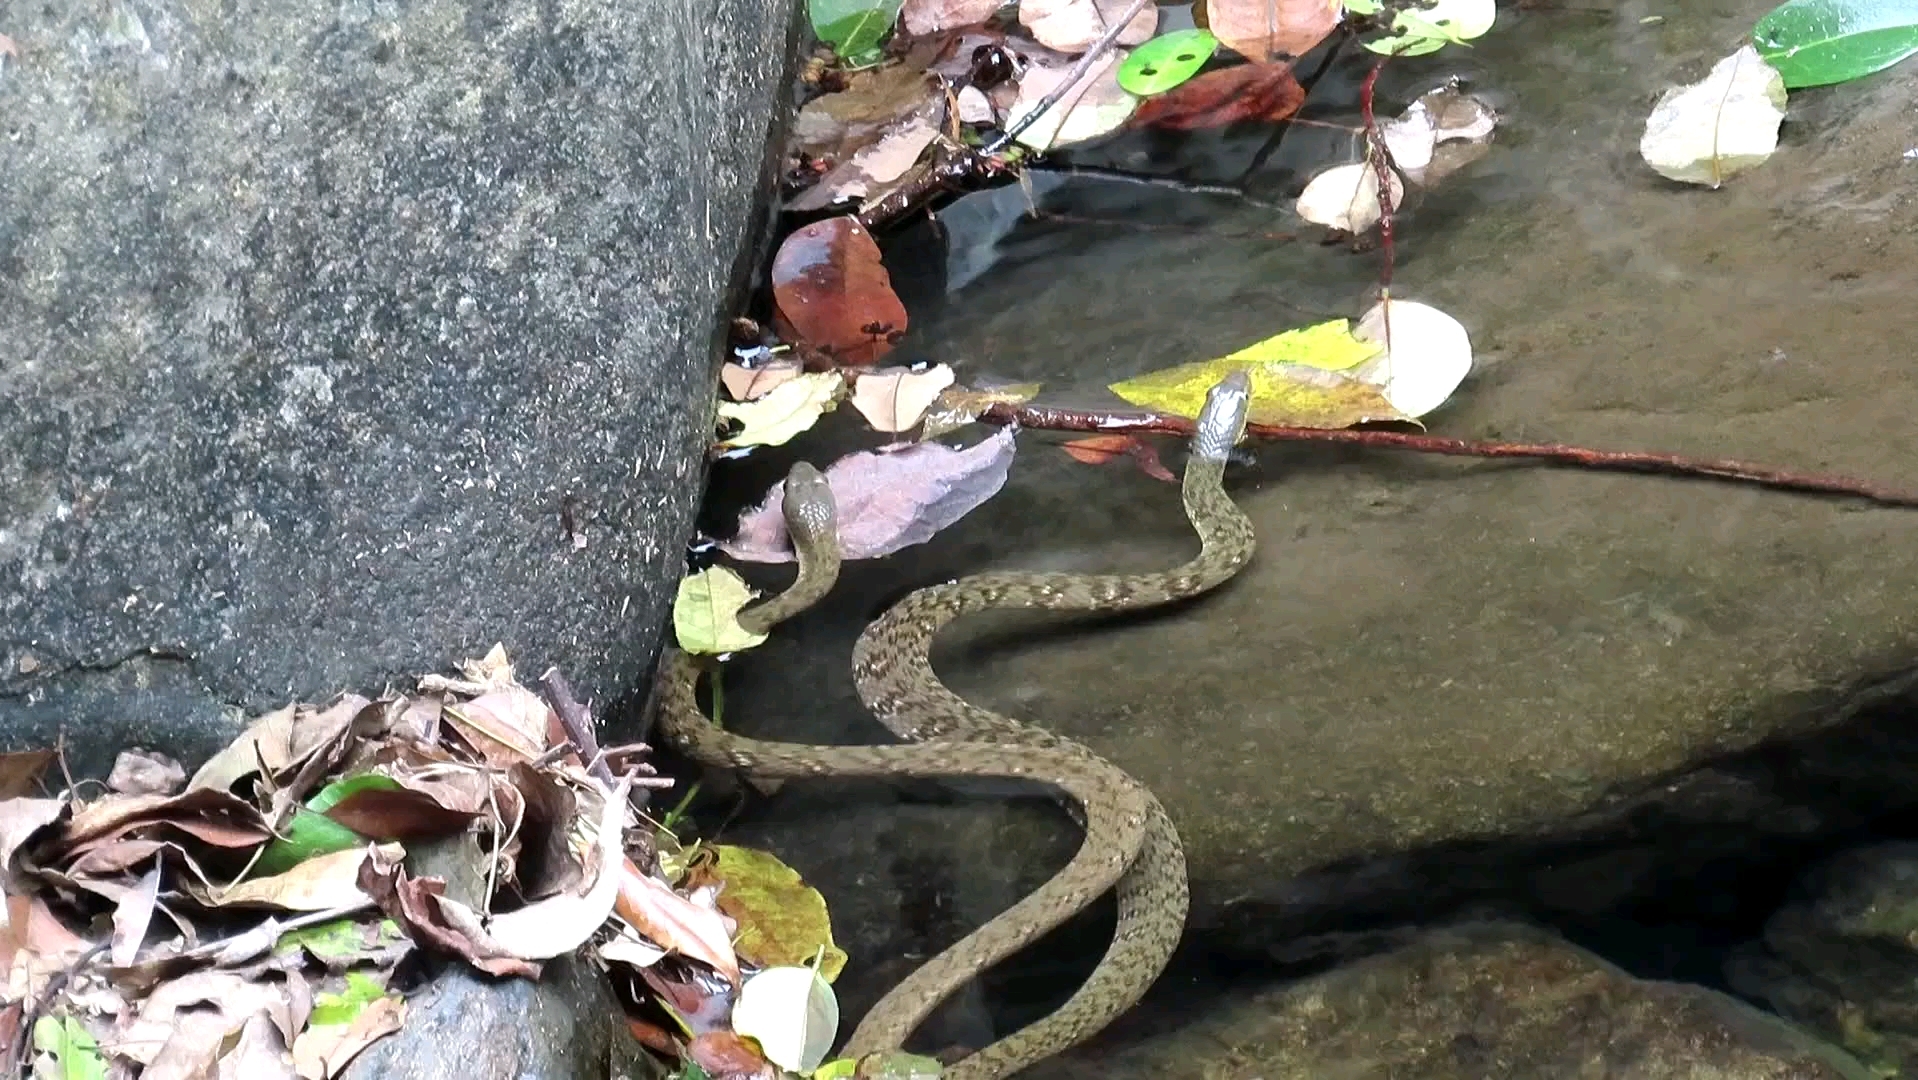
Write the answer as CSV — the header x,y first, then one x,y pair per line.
x,y
1843,960
1488,1002
338,342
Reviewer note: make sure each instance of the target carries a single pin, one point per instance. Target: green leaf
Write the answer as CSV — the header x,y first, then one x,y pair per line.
x,y
782,920
1818,42
854,28
1166,61
339,939
312,833
361,990
74,1051
706,612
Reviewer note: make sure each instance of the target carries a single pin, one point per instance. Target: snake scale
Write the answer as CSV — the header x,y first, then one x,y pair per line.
x,y
1130,843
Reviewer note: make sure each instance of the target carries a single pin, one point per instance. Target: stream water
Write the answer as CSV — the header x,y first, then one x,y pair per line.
x,y
1630,709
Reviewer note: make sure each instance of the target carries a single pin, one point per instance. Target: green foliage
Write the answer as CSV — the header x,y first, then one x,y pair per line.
x,y
1818,42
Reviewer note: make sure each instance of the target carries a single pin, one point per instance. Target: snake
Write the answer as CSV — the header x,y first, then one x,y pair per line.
x,y
1129,846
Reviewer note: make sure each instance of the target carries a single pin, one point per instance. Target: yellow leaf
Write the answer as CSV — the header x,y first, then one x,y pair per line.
x,y
782,920
706,612
1289,395
1329,345
789,409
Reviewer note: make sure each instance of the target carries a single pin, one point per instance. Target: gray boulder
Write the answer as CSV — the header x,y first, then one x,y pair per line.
x,y
340,341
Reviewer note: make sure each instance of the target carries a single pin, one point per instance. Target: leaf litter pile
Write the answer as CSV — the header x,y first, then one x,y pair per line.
x,y
264,917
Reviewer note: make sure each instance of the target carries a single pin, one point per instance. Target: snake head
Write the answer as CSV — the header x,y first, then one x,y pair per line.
x,y
1222,422
811,513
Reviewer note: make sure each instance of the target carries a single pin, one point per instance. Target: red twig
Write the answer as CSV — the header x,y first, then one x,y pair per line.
x,y
1053,419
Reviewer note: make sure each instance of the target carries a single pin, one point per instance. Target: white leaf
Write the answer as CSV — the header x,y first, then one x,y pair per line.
x,y
1703,133
793,1014
1346,197
1094,106
1430,355
561,923
893,399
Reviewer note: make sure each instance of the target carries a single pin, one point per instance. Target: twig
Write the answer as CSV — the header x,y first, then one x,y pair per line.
x,y
577,722
1054,419
1071,81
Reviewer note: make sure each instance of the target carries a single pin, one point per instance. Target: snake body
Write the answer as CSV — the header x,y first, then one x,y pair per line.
x,y
1129,840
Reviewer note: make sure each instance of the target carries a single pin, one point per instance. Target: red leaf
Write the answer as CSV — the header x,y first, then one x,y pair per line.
x,y
1099,449
726,1056
834,292
1261,92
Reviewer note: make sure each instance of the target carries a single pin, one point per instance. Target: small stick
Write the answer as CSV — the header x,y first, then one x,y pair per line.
x,y
1054,419
1071,81
577,722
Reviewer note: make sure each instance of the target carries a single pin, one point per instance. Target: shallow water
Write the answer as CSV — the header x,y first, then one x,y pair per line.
x,y
1440,676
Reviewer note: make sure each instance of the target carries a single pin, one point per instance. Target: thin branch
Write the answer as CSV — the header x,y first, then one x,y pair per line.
x,y
577,722
1053,419
1071,82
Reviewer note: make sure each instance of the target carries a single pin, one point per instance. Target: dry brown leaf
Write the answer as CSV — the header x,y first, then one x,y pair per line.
x,y
132,915
212,816
324,1052
420,905
751,383
892,150
674,922
507,726
559,924
1099,449
727,1056
20,771
833,294
490,672
19,820
832,125
1266,30
893,399
1072,26
260,1053
923,18
145,772
182,1024
280,740
320,883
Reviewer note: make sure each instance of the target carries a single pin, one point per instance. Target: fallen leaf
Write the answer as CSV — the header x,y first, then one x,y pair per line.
x,y
788,409
506,725
1430,355
1073,26
1418,31
1265,30
923,18
210,816
747,383
280,740
145,772
894,399
1166,61
260,1053
881,161
1255,93
792,1013
1722,125
75,1054
1346,197
832,289
886,501
1330,345
726,1056
957,406
854,28
674,922
559,924
132,916
182,1024
706,612
782,920
324,1052
420,904
320,883
1821,42
1290,395
19,820
20,771
1095,106
833,125
1099,449
1440,133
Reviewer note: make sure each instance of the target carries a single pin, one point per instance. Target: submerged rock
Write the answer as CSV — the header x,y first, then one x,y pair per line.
x,y
1480,1002
1843,961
